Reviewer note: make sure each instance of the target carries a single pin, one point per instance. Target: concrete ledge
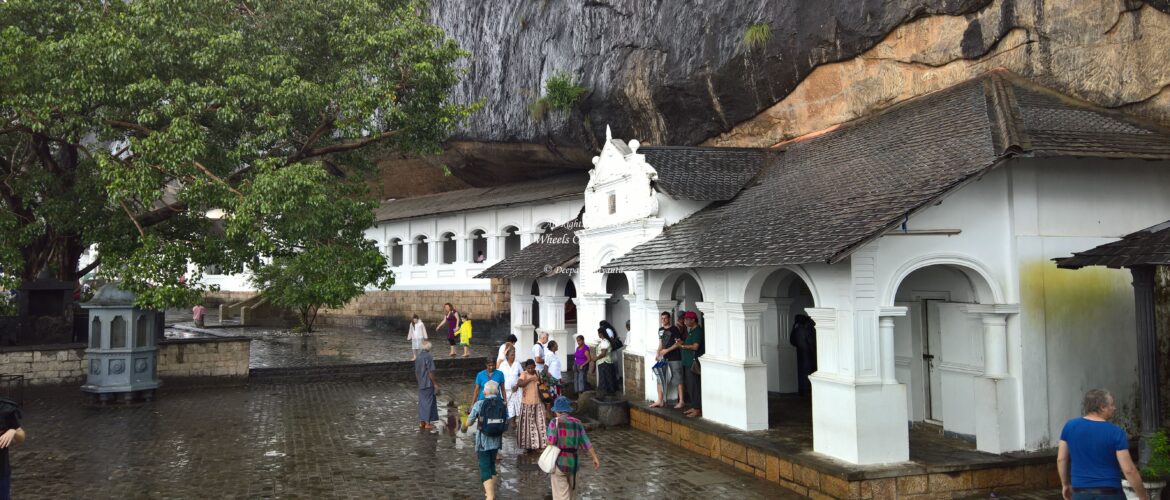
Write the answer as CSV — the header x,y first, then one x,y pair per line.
x,y
817,476
395,370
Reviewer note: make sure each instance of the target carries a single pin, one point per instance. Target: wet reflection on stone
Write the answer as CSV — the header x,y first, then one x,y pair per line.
x,y
318,440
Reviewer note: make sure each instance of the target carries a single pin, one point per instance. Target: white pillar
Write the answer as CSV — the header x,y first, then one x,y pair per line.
x,y
857,419
493,248
461,247
995,351
651,309
552,321
735,385
997,428
408,257
889,354
434,251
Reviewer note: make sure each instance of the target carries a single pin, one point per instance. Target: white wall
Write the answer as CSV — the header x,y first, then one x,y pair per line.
x,y
1079,324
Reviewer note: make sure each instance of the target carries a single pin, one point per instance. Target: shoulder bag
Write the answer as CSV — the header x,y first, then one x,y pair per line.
x,y
548,459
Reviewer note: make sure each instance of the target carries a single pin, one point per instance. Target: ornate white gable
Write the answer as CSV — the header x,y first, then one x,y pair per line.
x,y
619,185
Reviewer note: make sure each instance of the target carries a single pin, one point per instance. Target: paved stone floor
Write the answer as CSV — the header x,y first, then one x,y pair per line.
x,y
318,440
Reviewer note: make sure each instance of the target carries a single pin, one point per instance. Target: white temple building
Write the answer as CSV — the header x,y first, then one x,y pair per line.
x,y
920,241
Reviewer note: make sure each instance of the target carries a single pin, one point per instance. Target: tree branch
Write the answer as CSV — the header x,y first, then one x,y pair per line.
x,y
92,265
217,179
129,126
161,214
344,146
132,219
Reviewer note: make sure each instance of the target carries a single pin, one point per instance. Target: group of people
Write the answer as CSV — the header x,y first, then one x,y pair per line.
x,y
457,327
605,360
680,345
530,390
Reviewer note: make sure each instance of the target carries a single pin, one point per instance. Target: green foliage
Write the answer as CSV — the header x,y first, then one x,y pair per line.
x,y
122,124
312,237
757,36
561,92
1158,467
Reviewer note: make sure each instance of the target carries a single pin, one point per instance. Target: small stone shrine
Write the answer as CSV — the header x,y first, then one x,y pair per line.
x,y
123,351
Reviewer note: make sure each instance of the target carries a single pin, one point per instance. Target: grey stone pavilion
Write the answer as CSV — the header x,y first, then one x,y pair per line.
x,y
122,357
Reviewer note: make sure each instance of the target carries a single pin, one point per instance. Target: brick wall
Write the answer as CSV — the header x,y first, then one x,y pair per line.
x,y
805,478
399,305
190,358
225,358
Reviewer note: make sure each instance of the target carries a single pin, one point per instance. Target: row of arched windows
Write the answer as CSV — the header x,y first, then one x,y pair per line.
x,y
477,251
118,332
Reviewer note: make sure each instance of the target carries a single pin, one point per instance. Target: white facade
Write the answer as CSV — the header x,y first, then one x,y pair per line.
x,y
438,252
961,319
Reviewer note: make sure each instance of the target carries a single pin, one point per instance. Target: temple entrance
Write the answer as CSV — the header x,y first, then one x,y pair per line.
x,y
939,346
787,296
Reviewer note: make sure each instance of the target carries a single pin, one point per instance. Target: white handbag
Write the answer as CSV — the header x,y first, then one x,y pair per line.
x,y
548,459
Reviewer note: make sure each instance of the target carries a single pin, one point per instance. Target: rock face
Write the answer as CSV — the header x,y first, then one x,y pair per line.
x,y
680,73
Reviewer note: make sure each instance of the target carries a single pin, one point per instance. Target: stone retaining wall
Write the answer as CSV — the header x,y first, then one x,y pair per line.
x,y
803,477
220,358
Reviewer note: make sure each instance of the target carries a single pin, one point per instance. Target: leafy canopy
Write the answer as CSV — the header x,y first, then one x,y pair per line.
x,y
123,124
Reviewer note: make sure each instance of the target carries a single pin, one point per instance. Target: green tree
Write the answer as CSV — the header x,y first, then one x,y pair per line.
x,y
314,257
124,124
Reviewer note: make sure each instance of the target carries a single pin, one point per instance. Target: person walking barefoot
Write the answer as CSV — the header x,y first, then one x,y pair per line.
x,y
450,325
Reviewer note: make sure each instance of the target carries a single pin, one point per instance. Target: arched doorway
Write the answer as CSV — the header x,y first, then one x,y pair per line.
x,y
617,306
787,296
939,346
570,307
686,294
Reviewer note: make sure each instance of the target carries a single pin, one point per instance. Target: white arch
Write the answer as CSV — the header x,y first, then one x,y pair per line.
x,y
987,289
414,239
755,284
473,229
666,287
503,229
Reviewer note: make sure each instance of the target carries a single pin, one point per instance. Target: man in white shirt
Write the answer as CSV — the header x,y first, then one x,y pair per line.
x,y
554,361
539,350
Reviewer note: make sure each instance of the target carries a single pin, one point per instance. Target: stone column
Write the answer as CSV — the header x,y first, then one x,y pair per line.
x,y
996,429
856,417
552,321
408,257
1147,344
735,382
889,353
651,309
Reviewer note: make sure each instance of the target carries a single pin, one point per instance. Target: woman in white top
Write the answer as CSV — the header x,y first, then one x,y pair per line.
x,y
416,333
511,369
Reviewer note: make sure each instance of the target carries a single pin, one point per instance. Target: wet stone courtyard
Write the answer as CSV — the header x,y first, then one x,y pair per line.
x,y
318,440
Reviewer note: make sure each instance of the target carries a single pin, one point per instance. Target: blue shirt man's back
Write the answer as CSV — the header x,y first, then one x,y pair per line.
x,y
482,379
1092,448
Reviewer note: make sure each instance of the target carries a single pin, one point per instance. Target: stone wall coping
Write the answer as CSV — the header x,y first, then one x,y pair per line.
x,y
849,472
207,340
43,347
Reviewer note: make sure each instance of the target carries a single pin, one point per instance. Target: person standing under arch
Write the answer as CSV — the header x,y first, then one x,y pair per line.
x,y
804,338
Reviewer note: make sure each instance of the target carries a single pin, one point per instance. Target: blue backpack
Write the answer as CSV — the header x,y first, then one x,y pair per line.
x,y
493,417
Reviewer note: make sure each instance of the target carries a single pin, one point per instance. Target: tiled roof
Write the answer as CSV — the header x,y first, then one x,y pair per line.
x,y
568,186
554,251
705,174
829,194
1150,246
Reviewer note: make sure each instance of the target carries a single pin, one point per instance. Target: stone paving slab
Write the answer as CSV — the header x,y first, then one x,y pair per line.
x,y
355,439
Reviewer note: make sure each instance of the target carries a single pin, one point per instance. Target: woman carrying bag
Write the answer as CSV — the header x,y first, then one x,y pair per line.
x,y
566,436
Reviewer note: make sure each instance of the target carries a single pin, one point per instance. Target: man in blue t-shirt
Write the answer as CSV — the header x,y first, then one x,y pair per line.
x,y
489,373
1099,452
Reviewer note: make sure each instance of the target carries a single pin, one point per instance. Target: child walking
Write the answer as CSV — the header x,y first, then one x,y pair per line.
x,y
465,335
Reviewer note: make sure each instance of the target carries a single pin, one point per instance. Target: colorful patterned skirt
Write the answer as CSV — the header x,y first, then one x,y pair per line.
x,y
530,433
